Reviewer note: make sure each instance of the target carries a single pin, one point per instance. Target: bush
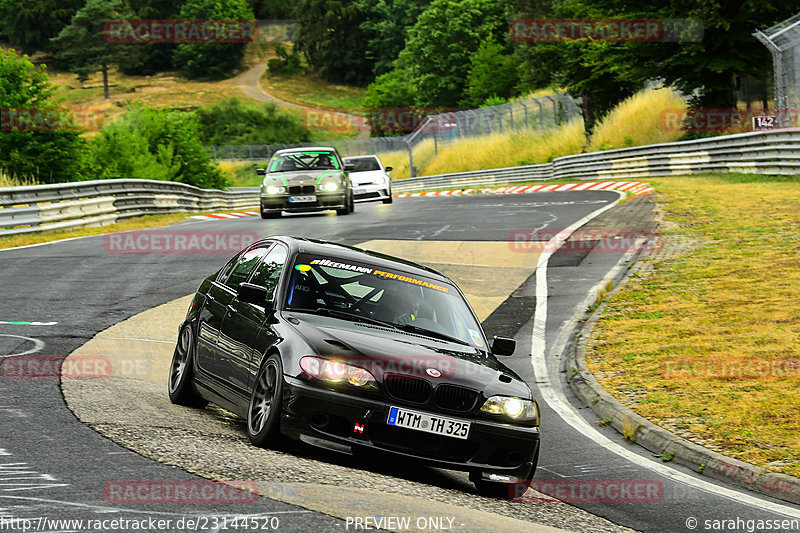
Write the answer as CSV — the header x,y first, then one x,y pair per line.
x,y
155,144
212,60
389,91
232,122
286,64
46,156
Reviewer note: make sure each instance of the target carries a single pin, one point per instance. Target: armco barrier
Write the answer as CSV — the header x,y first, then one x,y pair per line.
x,y
91,203
776,152
95,203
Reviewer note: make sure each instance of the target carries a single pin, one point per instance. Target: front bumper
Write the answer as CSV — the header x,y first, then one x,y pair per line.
x,y
275,203
332,419
371,192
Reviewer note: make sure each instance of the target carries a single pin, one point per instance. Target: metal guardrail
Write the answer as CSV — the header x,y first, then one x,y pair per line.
x,y
771,153
91,203
37,208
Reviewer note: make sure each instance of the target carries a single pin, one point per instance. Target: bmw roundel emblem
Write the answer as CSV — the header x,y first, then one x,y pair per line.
x,y
432,372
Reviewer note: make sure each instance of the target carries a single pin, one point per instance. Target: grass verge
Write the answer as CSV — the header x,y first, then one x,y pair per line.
x,y
706,343
144,222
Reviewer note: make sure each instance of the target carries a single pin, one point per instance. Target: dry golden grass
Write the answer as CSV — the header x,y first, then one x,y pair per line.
x,y
708,344
509,149
313,91
7,181
639,120
399,163
144,222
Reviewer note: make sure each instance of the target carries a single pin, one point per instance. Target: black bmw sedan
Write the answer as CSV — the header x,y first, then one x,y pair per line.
x,y
353,350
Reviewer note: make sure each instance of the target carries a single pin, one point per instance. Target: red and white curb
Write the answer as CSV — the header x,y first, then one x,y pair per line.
x,y
225,216
634,187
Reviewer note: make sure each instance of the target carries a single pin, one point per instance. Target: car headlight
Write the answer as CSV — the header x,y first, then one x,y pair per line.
x,y
275,189
337,372
514,408
330,186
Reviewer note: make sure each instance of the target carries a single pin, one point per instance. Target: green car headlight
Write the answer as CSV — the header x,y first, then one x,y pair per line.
x,y
330,186
274,189
514,408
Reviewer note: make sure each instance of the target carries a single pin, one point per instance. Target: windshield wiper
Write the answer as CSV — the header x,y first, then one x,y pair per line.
x,y
411,328
345,315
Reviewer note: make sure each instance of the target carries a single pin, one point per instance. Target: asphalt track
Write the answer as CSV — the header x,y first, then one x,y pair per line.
x,y
52,465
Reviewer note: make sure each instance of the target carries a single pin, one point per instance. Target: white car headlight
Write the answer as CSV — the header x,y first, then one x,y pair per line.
x,y
275,189
514,408
330,186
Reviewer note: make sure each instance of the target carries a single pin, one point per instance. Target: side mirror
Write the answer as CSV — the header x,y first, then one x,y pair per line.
x,y
503,346
253,294
261,171
388,169
349,167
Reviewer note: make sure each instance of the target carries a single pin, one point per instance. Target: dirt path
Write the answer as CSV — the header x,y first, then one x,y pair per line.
x,y
250,84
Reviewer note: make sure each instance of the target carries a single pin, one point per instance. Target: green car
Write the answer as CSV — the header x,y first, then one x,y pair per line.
x,y
299,180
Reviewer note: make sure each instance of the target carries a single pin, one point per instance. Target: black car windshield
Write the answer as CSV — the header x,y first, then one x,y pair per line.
x,y
303,161
363,164
411,302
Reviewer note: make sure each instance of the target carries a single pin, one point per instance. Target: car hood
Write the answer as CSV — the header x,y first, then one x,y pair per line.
x,y
383,350
298,177
367,177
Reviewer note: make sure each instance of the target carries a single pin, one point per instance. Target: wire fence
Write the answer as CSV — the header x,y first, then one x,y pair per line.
x,y
783,42
435,131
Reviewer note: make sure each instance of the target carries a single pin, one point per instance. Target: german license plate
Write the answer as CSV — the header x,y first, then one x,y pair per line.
x,y
359,190
302,199
428,423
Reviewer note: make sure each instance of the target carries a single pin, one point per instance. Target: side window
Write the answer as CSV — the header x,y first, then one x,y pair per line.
x,y
247,261
269,271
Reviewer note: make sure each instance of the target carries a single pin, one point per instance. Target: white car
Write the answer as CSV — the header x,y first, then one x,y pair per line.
x,y
371,181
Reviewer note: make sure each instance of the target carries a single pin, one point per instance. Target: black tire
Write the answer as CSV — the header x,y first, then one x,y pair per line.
x,y
504,491
270,215
181,372
349,206
388,198
264,409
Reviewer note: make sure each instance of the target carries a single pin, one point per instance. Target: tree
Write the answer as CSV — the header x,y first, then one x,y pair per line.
x,y
440,44
332,41
605,72
271,9
390,91
47,154
151,58
492,73
31,25
386,24
232,122
83,47
212,60
154,144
